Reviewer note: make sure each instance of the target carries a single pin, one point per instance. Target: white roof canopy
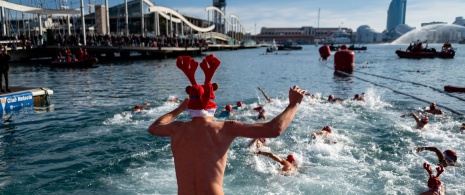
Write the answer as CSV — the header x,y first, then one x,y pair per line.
x,y
36,10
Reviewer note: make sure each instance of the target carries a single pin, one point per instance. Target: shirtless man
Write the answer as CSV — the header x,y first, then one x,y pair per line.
x,y
434,183
200,146
421,123
446,158
138,108
433,109
288,163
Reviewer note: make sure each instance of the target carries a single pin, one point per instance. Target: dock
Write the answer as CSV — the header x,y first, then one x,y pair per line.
x,y
22,97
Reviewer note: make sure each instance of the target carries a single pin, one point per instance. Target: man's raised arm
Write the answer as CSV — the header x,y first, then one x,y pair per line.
x,y
277,125
160,127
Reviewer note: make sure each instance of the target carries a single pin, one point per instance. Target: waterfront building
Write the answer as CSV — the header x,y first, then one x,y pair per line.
x,y
365,34
302,35
459,21
396,14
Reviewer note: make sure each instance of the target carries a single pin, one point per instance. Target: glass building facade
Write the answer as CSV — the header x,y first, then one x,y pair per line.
x,y
396,14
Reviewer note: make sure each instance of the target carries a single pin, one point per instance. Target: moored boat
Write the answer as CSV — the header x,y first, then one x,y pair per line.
x,y
353,48
451,88
87,63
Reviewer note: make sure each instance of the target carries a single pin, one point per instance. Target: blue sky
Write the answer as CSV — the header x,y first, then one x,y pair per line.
x,y
255,14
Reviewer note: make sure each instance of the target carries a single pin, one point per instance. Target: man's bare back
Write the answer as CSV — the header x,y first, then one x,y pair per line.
x,y
200,146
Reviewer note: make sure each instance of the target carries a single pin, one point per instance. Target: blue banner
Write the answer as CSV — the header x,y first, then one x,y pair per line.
x,y
16,101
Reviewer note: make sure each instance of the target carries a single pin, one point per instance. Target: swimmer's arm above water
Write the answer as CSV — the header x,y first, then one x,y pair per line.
x,y
162,127
273,128
272,156
433,149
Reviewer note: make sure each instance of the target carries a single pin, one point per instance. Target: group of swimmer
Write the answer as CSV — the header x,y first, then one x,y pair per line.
x,y
445,158
200,146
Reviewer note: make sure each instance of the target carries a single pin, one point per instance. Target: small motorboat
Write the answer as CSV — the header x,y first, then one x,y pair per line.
x,y
355,48
87,63
446,54
450,88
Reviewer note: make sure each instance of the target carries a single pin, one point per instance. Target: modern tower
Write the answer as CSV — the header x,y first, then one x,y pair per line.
x,y
396,14
217,18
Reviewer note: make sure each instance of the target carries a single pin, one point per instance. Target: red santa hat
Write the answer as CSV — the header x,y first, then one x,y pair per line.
x,y
201,96
327,128
259,109
290,158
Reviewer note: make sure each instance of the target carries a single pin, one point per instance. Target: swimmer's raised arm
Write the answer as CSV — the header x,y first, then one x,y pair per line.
x,y
264,94
433,149
273,128
272,156
162,126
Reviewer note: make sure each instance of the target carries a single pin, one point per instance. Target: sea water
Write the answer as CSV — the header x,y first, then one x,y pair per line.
x,y
89,142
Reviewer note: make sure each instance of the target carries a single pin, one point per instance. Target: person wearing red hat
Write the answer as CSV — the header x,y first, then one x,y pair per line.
x,y
261,113
200,146
288,162
434,183
446,158
227,112
239,105
138,108
325,133
421,121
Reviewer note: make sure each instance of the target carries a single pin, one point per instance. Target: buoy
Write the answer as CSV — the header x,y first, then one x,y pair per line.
x,y
343,47
325,52
344,60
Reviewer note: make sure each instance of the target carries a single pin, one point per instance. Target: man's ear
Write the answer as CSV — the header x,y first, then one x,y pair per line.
x,y
188,89
215,86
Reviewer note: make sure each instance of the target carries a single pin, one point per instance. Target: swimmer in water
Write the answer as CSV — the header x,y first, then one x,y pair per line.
x,y
421,123
227,112
433,109
446,158
359,98
325,133
434,183
288,163
331,99
239,105
261,113
200,146
138,108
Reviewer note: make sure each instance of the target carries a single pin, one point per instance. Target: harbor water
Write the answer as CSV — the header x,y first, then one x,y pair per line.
x,y
89,142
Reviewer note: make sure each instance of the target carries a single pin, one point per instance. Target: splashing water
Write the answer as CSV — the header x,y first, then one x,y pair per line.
x,y
438,33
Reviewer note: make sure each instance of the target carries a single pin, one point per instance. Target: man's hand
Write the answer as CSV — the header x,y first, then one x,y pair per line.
x,y
419,149
296,95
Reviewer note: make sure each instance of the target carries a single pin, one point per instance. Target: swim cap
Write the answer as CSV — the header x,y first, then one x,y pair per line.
x,y
201,96
356,96
259,109
228,107
327,128
290,158
330,97
137,107
451,154
239,103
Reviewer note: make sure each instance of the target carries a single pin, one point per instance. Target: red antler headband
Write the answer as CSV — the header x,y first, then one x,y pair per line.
x,y
433,182
201,96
